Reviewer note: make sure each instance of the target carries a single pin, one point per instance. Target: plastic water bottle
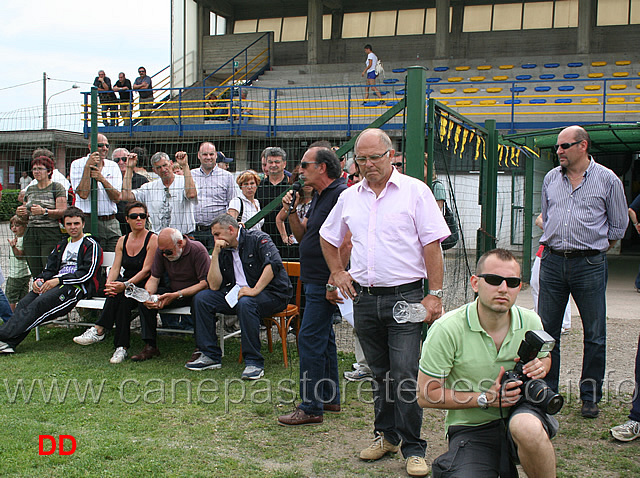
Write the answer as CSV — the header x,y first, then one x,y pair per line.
x,y
404,312
139,294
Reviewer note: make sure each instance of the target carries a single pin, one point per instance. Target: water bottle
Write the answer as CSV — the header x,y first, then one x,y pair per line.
x,y
404,312
139,294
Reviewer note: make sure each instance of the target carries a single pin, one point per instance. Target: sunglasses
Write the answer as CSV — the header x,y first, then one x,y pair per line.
x,y
305,164
351,176
167,252
496,280
397,165
136,215
120,159
565,146
103,145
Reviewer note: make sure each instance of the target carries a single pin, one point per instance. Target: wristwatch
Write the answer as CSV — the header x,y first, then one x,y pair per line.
x,y
438,293
331,288
46,212
482,401
180,296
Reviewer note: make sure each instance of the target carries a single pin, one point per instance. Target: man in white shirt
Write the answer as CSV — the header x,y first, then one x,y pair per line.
x,y
396,229
25,179
109,181
171,200
370,72
216,189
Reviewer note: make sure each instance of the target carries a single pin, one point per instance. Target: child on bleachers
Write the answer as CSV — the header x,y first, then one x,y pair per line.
x,y
19,274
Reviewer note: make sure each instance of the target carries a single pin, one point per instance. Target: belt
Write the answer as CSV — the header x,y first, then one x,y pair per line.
x,y
106,218
203,228
574,254
395,290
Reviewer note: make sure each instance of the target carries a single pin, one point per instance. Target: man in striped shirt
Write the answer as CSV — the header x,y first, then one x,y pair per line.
x,y
584,210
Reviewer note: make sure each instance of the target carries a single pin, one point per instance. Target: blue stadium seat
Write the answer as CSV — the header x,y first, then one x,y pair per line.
x,y
399,70
571,76
399,92
390,80
542,88
518,89
566,88
537,101
547,77
576,64
528,66
433,80
384,93
371,103
523,77
551,65
512,102
441,68
563,100
392,103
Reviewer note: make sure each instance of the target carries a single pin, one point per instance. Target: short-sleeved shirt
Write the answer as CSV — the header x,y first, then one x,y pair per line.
x,y
215,192
106,96
249,209
45,197
111,172
374,59
313,267
18,266
191,268
460,351
168,206
125,96
144,93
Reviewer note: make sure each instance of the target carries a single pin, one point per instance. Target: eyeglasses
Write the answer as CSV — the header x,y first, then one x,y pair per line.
x,y
120,159
565,145
274,161
167,252
141,215
38,169
374,158
103,145
496,280
305,164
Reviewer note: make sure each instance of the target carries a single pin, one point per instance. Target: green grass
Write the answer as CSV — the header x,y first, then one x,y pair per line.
x,y
156,418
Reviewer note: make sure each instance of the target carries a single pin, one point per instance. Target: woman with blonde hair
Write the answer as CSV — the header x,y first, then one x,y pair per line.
x,y
245,206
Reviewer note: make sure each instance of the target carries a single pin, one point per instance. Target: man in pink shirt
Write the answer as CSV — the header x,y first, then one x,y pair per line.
x,y
396,229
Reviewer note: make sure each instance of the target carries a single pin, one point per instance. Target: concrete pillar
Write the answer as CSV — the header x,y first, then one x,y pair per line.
x,y
241,157
314,19
337,17
586,21
442,28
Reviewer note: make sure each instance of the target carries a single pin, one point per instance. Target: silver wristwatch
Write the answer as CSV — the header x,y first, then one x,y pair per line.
x,y
438,293
482,401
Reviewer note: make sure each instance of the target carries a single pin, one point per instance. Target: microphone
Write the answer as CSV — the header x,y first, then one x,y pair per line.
x,y
294,190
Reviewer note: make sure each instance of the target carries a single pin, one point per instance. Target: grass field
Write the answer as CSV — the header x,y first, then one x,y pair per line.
x,y
158,419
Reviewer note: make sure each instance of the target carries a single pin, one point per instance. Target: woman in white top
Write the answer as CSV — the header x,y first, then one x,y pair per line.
x,y
245,206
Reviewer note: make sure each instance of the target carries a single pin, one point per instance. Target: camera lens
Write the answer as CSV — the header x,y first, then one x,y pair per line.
x,y
539,394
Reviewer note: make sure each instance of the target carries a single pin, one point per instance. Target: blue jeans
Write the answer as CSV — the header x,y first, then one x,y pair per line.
x,y
5,308
635,405
249,310
319,381
585,278
392,351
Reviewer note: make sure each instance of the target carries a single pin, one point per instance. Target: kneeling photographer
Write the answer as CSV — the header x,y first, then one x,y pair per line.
x,y
495,419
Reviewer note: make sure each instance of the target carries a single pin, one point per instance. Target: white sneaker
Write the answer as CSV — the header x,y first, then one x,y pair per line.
x,y
90,336
6,348
119,355
626,432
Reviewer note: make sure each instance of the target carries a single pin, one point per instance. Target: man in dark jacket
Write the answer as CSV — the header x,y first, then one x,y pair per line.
x,y
71,274
246,269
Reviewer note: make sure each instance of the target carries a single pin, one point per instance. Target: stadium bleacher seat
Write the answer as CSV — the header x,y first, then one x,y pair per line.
x,y
598,64
441,68
399,92
523,77
433,80
547,77
637,100
454,79
484,67
494,90
488,102
618,87
575,64
570,76
477,78
638,85
620,74
512,102
542,88
563,100
518,89
623,62
392,103
370,103
470,90
592,87
615,99
444,102
566,88
384,93
399,70
462,68
529,66
500,78
589,100
463,102
447,91
506,67
551,65
390,81
537,101
595,75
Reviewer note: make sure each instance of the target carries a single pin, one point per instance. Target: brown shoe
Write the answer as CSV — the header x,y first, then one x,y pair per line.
x,y
148,352
332,407
299,417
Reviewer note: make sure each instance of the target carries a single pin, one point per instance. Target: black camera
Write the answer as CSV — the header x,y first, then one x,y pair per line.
x,y
536,392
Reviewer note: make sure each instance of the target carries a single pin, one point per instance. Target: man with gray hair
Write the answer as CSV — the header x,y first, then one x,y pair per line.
x,y
171,200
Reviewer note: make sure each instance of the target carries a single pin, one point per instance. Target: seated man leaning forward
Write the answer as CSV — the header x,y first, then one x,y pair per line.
x,y
247,265
463,360
70,275
185,264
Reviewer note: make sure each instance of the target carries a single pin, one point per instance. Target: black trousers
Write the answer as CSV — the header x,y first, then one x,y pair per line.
x,y
34,309
117,310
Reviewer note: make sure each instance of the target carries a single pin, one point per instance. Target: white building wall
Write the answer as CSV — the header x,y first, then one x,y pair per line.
x,y
184,43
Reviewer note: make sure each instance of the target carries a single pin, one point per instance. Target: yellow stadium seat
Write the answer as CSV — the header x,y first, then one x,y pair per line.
x,y
462,68
620,74
447,91
463,102
592,87
500,78
637,100
470,90
491,102
506,67
638,86
615,99
618,87
589,100
444,102
494,90
454,79
484,67
477,78
623,62
595,75
598,63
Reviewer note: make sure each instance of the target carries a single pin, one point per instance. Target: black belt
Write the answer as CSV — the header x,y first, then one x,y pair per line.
x,y
203,228
106,218
392,290
574,254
